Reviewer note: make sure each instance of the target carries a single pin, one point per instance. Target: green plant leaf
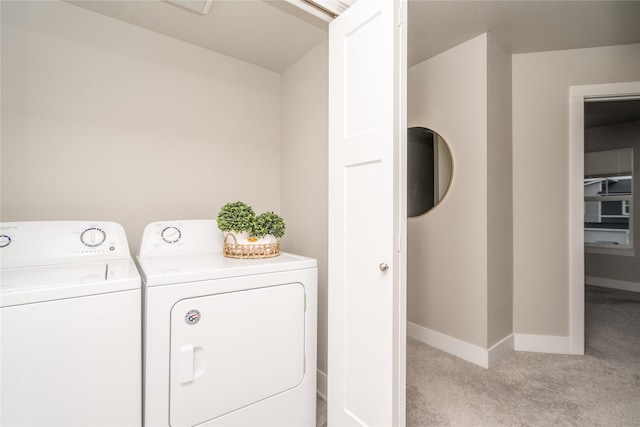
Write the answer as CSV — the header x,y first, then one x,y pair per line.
x,y
237,217
268,223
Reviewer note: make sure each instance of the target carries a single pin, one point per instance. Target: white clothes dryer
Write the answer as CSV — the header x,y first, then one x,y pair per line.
x,y
227,342
70,316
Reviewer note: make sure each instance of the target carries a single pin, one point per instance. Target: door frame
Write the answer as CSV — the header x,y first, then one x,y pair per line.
x,y
577,96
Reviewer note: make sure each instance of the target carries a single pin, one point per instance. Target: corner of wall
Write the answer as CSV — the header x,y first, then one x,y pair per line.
x,y
321,381
499,194
483,357
542,343
303,179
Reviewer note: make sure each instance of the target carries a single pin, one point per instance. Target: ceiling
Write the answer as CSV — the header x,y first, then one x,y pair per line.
x,y
270,34
605,113
521,26
273,34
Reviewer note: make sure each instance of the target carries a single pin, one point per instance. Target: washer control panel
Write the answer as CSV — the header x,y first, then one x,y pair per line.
x,y
93,237
36,243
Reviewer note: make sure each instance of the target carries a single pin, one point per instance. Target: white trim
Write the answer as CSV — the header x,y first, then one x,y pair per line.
x,y
486,358
543,344
321,385
311,10
622,285
576,223
577,95
335,6
326,10
613,91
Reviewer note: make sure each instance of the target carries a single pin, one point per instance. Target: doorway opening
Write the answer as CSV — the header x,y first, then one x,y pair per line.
x,y
578,96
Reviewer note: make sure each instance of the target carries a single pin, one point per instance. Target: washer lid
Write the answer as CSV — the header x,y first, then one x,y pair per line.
x,y
48,283
167,270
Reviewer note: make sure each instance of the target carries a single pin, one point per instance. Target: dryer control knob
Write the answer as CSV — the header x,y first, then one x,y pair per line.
x,y
4,240
93,237
171,234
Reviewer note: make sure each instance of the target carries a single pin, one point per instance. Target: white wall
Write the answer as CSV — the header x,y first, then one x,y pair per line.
x,y
541,84
104,120
304,171
447,246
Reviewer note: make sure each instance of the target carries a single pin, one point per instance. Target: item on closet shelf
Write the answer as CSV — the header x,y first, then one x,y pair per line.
x,y
249,236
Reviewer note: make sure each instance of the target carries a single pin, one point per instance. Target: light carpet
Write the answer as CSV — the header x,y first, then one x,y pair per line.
x,y
601,388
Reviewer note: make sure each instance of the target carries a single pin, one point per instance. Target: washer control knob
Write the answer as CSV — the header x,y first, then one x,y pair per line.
x,y
4,240
93,237
171,234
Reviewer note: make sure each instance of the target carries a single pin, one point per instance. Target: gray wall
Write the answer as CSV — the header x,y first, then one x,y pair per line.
x,y
304,179
447,246
103,120
499,195
541,84
616,267
450,291
460,253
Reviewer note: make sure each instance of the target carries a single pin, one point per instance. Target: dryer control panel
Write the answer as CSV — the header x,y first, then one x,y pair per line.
x,y
35,243
181,238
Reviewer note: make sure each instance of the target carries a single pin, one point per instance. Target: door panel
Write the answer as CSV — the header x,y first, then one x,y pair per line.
x,y
362,77
234,349
367,215
368,287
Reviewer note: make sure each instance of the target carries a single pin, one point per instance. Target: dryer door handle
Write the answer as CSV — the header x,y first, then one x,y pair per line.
x,y
186,363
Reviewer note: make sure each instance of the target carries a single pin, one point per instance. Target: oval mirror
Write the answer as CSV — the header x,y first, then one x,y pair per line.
x,y
429,170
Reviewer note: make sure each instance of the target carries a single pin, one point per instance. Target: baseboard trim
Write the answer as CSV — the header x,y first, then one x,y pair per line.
x,y
472,353
321,385
622,285
542,343
483,357
462,349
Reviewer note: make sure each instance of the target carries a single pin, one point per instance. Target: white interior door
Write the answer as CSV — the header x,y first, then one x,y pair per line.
x,y
367,215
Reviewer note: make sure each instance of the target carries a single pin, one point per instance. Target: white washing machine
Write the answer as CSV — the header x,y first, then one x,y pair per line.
x,y
70,318
227,342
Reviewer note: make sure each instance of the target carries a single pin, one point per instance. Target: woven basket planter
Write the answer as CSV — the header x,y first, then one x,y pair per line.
x,y
233,249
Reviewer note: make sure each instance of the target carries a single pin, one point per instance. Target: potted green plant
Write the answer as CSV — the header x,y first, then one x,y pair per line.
x,y
268,225
247,235
237,218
